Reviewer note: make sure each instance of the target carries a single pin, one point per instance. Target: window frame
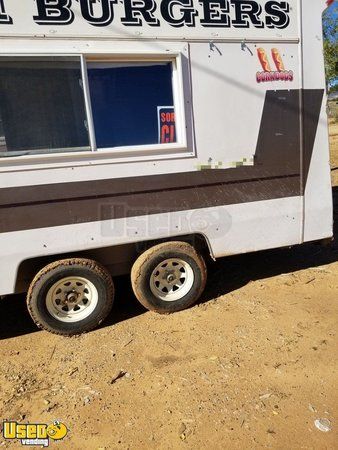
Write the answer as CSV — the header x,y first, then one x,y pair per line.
x,y
125,153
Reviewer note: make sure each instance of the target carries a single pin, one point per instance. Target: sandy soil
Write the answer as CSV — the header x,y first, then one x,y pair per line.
x,y
252,366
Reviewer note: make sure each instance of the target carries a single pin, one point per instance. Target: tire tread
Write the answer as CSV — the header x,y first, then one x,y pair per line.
x,y
87,263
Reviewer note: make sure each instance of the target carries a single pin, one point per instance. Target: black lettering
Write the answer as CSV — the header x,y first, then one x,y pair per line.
x,y
247,9
215,13
277,14
54,12
89,12
186,10
4,18
136,9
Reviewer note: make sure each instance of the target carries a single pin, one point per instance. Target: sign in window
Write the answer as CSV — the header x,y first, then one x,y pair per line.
x,y
166,124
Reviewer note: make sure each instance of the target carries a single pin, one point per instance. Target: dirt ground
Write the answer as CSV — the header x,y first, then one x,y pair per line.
x,y
253,365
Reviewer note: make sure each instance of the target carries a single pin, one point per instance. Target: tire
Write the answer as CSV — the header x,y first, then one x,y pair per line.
x,y
86,294
159,270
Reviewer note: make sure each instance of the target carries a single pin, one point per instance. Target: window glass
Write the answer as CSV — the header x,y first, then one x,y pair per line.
x,y
42,106
127,99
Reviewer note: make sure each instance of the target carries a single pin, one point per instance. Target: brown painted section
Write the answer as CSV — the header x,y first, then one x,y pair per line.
x,y
278,144
312,102
64,212
53,193
275,174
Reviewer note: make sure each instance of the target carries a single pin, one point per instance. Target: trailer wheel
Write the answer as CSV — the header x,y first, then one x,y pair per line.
x,y
70,296
169,277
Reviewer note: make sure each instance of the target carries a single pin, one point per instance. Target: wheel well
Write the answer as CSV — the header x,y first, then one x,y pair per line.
x,y
118,259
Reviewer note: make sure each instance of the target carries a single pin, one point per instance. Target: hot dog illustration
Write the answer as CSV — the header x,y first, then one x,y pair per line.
x,y
263,58
277,59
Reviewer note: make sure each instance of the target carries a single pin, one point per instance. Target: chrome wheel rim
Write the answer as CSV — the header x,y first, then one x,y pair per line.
x,y
172,279
71,299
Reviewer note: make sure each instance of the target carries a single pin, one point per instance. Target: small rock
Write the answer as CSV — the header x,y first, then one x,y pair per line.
x,y
323,425
86,400
182,428
51,407
265,396
183,431
312,408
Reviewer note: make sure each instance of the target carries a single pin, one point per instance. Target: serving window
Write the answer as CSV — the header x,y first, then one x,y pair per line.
x,y
125,98
42,108
71,104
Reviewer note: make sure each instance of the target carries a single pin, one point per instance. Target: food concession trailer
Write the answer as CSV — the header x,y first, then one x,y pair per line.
x,y
146,136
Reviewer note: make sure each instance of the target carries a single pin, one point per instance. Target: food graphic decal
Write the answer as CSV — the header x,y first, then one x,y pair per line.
x,y
270,75
277,59
263,58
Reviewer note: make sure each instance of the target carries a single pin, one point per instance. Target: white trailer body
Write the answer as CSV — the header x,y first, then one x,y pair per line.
x,y
125,122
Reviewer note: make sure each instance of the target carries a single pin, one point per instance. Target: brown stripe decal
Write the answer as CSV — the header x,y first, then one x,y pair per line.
x,y
275,174
312,102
